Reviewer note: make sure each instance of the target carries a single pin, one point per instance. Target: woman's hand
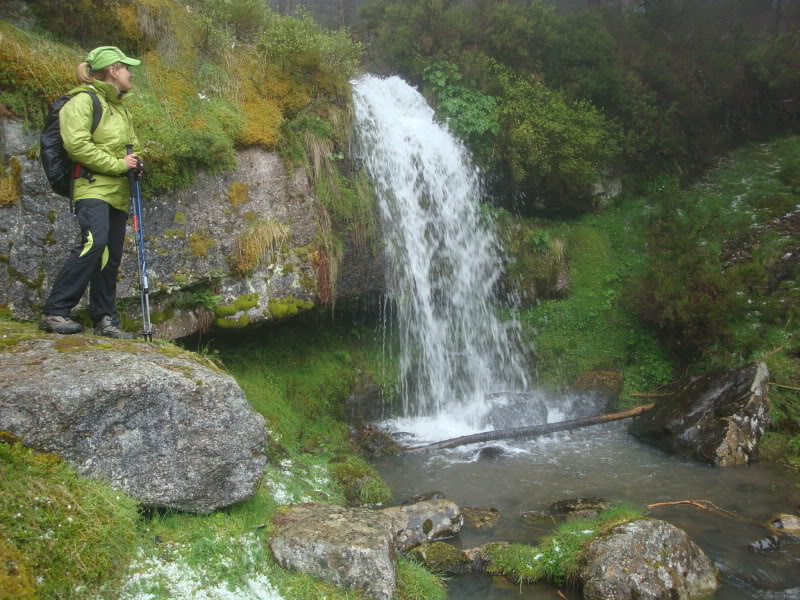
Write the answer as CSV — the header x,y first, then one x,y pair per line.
x,y
132,161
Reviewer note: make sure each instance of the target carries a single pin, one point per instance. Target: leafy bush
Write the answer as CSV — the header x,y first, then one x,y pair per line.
x,y
670,83
470,114
551,140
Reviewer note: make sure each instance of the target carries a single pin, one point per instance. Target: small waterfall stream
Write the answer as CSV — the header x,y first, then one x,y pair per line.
x,y
459,361
443,255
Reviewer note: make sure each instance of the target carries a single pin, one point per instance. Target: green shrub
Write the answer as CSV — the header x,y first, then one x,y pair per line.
x,y
469,113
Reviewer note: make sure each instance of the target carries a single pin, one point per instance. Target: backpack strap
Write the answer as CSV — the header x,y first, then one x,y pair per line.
x,y
97,110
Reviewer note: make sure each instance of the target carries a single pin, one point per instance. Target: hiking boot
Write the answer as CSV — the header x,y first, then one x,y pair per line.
x,y
59,324
109,327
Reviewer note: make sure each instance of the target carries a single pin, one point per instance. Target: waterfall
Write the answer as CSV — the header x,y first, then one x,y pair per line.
x,y
444,259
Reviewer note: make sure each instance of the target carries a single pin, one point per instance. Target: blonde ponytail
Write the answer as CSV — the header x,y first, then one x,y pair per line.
x,y
83,74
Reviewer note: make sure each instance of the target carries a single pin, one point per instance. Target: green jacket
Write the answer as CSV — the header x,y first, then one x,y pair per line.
x,y
103,152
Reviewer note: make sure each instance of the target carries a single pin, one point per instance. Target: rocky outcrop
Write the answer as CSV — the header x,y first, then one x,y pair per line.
x,y
646,560
349,547
424,521
716,418
151,420
235,248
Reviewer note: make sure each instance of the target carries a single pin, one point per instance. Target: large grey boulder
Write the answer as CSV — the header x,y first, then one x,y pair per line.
x,y
349,547
424,521
152,420
248,240
716,418
646,560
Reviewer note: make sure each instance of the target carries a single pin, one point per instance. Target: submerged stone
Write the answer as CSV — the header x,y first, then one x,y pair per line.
x,y
480,517
788,524
572,505
767,544
490,453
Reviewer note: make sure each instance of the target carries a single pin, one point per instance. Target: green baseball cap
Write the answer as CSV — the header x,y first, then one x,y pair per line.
x,y
102,57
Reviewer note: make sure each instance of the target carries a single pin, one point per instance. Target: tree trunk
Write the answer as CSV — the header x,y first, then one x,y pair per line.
x,y
342,12
518,433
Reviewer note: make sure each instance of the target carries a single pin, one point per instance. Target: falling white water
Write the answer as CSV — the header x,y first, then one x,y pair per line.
x,y
443,262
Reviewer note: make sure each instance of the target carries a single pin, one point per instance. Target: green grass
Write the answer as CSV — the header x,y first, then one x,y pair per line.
x,y
298,375
593,329
415,582
651,292
74,536
557,556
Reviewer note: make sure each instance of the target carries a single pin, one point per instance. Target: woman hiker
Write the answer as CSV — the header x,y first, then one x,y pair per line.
x,y
101,193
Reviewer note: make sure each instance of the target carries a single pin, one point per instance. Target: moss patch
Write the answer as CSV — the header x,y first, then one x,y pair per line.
x,y
200,242
80,343
439,557
242,321
238,193
557,556
242,303
16,582
281,308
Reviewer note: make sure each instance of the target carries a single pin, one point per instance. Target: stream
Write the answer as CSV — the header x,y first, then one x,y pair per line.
x,y
605,461
462,371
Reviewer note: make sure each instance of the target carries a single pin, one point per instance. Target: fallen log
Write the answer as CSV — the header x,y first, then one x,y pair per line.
x,y
518,433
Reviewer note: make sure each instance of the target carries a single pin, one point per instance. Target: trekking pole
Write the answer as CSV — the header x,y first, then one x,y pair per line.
x,y
141,256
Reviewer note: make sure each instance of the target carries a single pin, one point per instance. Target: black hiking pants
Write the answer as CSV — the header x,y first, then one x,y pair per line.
x,y
93,262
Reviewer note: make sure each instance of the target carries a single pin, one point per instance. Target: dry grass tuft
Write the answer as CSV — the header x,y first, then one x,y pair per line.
x,y
258,244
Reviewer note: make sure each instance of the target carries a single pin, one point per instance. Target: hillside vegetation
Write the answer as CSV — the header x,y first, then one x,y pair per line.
x,y
549,102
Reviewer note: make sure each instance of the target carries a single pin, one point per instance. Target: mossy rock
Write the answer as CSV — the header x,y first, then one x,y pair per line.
x,y
442,558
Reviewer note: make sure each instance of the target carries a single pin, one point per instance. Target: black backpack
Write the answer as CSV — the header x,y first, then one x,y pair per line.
x,y
57,164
